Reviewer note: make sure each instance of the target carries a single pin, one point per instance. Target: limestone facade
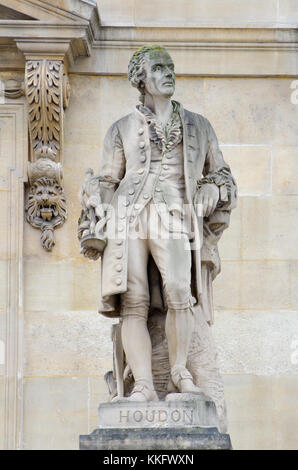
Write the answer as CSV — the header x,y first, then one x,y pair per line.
x,y
236,65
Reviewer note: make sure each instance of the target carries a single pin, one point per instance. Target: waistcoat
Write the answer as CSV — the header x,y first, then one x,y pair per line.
x,y
165,184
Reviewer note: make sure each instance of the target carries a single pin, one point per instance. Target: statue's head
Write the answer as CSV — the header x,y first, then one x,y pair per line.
x,y
151,70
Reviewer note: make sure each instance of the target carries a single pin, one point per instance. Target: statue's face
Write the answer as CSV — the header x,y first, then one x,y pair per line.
x,y
160,75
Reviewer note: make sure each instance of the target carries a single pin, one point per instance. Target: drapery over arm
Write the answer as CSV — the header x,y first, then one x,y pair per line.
x,y
217,171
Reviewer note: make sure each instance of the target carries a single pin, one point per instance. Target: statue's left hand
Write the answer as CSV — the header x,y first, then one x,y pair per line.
x,y
208,196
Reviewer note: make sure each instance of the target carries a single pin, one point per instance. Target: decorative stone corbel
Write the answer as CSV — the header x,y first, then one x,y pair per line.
x,y
47,90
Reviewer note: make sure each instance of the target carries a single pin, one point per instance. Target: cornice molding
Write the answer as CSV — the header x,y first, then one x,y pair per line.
x,y
106,49
201,36
74,11
239,50
79,28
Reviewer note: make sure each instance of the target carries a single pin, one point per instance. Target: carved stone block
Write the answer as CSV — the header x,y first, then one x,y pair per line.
x,y
182,421
177,410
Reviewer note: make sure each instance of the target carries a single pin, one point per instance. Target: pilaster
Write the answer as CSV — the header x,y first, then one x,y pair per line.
x,y
47,91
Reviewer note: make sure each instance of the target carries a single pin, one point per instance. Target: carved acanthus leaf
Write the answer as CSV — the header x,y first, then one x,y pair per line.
x,y
44,93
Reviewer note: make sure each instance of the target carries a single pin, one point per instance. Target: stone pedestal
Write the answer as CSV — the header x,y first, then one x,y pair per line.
x,y
181,422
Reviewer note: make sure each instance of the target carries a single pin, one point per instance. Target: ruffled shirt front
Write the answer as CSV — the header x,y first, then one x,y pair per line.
x,y
165,137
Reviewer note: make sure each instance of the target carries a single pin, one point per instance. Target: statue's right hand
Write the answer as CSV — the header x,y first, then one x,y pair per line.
x,y
90,253
208,197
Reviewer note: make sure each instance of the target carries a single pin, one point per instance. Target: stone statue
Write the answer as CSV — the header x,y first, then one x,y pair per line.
x,y
162,199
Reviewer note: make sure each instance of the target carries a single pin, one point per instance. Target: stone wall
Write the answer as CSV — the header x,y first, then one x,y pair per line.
x,y
67,346
193,12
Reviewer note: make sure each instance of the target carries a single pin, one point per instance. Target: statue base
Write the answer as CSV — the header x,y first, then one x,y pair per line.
x,y
155,439
181,422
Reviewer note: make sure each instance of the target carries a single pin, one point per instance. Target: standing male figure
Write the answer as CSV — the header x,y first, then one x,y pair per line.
x,y
169,168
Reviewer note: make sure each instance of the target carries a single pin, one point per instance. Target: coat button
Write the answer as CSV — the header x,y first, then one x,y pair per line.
x,y
157,189
131,191
120,228
143,158
126,203
119,255
119,268
118,281
136,180
161,178
141,171
141,131
165,167
145,196
137,206
119,242
142,144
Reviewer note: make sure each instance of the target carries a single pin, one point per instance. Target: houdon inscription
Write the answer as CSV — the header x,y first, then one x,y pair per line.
x,y
158,416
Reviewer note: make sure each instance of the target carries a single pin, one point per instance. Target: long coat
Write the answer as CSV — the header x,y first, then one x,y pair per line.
x,y
126,157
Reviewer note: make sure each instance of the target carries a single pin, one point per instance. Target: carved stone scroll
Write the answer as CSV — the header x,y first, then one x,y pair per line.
x,y
47,90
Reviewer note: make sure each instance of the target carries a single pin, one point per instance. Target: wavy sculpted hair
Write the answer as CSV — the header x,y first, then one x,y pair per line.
x,y
136,70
